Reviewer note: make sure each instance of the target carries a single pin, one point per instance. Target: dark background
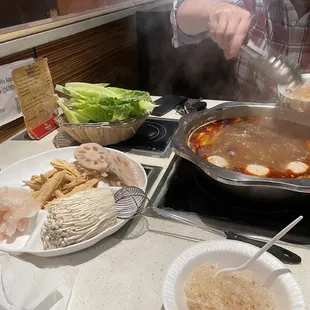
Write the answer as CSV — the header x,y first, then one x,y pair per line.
x,y
192,71
15,12
198,70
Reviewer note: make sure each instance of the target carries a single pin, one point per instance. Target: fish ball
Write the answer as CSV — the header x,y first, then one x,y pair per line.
x,y
218,161
257,170
297,167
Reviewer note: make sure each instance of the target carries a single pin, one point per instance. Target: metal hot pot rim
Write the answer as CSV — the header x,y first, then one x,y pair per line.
x,y
234,180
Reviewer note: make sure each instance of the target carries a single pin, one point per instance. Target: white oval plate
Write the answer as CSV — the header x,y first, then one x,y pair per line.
x,y
229,253
30,240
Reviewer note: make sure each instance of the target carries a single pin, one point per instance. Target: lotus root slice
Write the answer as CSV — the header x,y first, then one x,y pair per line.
x,y
91,156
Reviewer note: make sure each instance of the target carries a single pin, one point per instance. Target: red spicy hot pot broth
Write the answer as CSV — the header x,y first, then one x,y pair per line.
x,y
255,146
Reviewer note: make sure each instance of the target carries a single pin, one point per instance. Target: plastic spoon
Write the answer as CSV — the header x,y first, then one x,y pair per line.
x,y
262,250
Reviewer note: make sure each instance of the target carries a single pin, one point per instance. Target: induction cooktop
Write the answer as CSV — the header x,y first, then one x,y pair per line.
x,y
152,138
186,188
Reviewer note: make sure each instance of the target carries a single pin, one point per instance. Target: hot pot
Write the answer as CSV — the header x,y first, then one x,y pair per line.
x,y
245,186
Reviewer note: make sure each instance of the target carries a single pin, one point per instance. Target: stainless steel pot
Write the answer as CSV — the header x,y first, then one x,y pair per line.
x,y
238,183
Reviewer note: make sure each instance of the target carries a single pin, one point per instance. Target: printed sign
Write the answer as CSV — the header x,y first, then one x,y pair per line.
x,y
35,91
9,103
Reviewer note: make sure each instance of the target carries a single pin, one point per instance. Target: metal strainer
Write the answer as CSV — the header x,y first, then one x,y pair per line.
x,y
130,202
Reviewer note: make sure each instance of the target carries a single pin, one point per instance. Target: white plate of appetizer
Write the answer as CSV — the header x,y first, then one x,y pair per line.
x,y
62,201
191,282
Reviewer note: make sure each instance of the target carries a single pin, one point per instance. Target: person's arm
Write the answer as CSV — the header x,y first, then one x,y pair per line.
x,y
192,15
227,24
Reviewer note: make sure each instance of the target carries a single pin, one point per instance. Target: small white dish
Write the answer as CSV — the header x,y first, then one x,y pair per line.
x,y
30,240
229,253
287,100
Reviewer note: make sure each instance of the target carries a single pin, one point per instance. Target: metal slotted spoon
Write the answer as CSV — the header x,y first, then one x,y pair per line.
x,y
130,202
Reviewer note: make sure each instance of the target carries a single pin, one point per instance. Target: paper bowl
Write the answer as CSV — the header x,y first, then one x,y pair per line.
x,y
229,253
289,101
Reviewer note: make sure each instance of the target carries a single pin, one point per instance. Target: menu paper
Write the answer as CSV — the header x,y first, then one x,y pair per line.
x,y
35,91
9,103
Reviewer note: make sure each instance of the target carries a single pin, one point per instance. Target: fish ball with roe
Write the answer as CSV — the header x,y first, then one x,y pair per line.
x,y
218,161
297,167
257,170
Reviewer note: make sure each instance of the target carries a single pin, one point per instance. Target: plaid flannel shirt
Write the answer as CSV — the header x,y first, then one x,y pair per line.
x,y
277,30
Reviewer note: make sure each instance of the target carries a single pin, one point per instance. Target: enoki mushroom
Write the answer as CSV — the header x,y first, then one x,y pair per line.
x,y
78,218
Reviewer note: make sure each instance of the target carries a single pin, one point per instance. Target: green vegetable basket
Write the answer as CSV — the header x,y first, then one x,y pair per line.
x,y
101,133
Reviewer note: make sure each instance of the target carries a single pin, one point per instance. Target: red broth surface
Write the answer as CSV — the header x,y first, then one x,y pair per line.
x,y
262,141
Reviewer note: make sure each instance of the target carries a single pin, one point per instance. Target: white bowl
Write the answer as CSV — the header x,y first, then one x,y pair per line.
x,y
229,253
288,100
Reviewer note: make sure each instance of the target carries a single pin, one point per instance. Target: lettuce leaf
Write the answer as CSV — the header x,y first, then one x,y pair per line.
x,y
80,84
90,90
101,103
104,113
70,92
73,117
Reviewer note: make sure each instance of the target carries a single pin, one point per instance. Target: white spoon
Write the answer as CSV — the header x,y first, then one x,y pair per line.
x,y
262,250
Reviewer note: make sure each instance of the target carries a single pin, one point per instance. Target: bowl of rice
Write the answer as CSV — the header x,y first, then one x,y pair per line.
x,y
191,284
